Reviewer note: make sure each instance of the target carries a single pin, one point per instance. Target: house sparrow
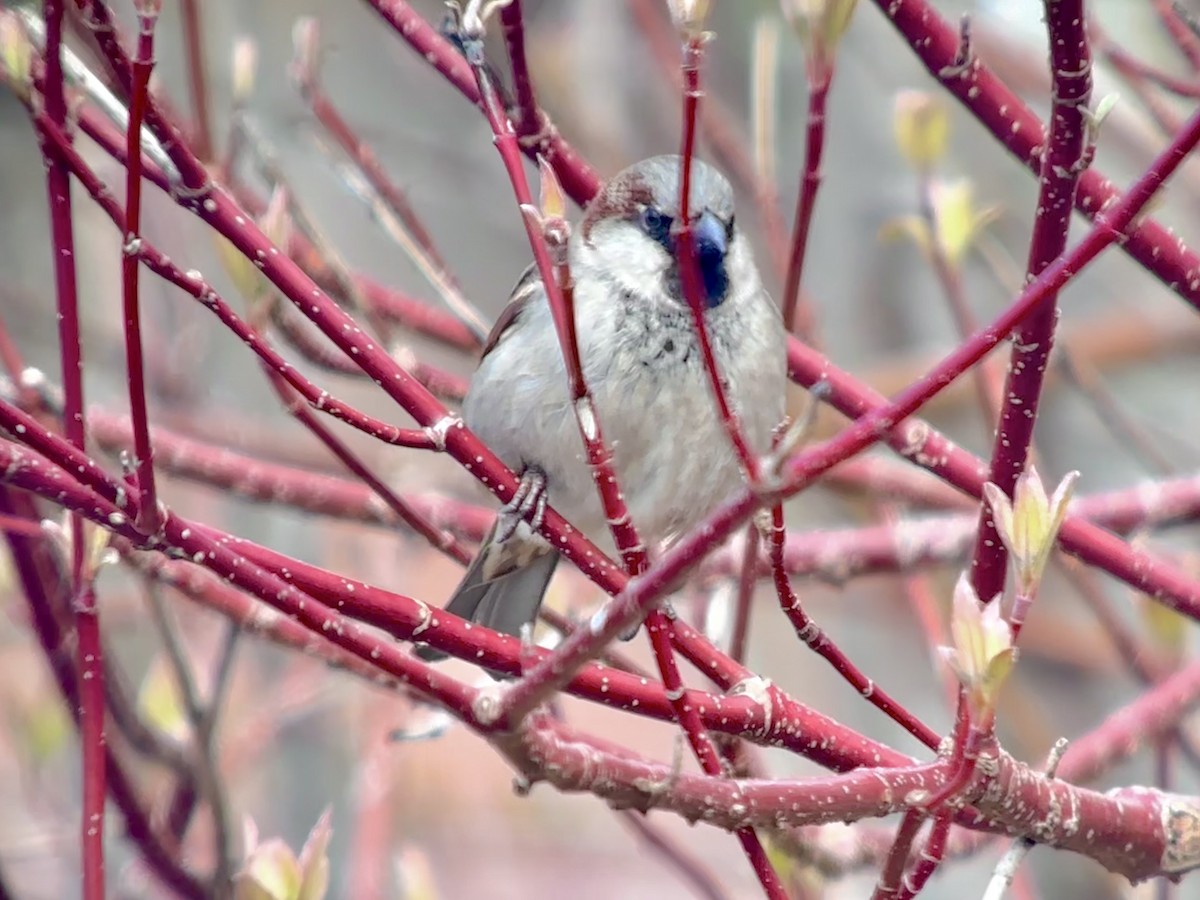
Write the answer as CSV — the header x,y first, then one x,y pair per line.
x,y
642,362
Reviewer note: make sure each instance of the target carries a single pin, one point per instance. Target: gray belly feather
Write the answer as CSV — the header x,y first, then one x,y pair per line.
x,y
672,457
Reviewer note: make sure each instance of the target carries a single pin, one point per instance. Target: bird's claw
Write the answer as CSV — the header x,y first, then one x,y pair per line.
x,y
528,504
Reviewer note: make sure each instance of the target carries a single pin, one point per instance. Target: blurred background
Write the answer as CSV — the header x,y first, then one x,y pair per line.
x,y
438,817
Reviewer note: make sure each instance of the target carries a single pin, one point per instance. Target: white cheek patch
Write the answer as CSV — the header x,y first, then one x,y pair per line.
x,y
621,252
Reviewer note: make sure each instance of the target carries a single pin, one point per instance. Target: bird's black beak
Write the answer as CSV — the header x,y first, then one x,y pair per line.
x,y
711,241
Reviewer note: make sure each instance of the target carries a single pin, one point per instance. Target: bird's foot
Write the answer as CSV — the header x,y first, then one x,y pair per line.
x,y
528,504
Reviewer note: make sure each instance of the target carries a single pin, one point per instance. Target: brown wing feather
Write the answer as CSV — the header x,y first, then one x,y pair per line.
x,y
526,288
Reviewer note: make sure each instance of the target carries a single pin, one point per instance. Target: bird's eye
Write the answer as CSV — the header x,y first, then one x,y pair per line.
x,y
729,228
656,224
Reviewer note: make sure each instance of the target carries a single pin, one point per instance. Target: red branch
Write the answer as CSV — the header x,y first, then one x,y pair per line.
x,y
90,666
1064,159
45,590
148,519
577,177
811,634
197,68
799,317
685,257
193,283
1017,128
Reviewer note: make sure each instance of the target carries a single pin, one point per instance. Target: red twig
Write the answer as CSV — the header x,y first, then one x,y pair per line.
x,y
719,125
939,46
889,883
691,869
193,177
193,283
44,590
148,519
264,481
197,69
689,271
440,539
1130,66
576,176
389,303
305,71
799,317
1064,159
811,634
747,578
529,114
928,858
442,384
685,255
90,666
548,242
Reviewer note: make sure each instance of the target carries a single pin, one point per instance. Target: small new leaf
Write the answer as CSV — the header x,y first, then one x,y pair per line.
x,y
273,872
689,16
17,53
245,69
1029,523
820,25
96,552
922,126
983,652
957,222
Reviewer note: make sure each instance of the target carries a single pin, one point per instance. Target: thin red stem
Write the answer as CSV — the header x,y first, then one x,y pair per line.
x,y
439,538
44,591
928,858
685,256
194,284
193,176
1063,162
577,177
939,44
747,578
197,70
529,114
90,655
720,126
148,518
888,885
1131,67
799,317
306,73
817,640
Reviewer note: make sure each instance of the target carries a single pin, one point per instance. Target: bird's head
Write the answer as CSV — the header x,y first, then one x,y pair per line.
x,y
629,233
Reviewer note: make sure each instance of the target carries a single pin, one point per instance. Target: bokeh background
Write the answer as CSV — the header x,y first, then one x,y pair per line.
x,y
296,738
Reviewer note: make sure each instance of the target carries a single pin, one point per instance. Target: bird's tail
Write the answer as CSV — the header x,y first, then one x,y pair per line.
x,y
502,588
